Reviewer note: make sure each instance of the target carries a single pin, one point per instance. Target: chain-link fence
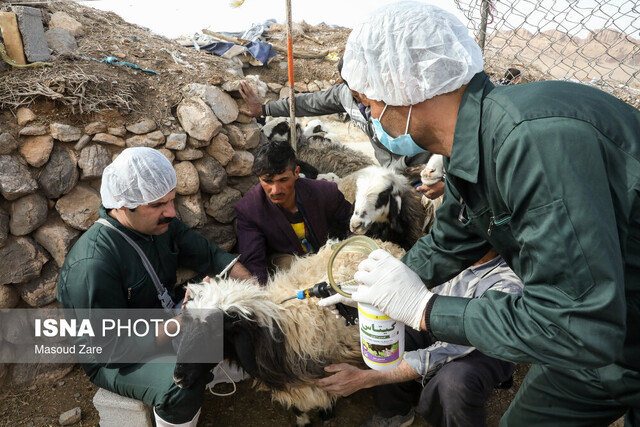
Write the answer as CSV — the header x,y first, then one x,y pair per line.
x,y
595,42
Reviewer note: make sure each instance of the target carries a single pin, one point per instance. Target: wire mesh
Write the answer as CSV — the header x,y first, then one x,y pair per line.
x,y
595,42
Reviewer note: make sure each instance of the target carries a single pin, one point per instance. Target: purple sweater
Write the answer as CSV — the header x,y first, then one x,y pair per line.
x,y
263,229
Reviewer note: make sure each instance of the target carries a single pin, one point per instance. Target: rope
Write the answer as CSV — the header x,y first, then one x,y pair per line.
x,y
232,382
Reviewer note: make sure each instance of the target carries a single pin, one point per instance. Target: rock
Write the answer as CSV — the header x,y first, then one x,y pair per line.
x,y
243,183
22,260
274,87
7,353
198,119
9,296
240,164
243,118
36,149
189,154
17,329
222,105
152,139
56,237
220,149
42,373
236,137
41,290
176,141
70,417
222,235
251,132
319,84
32,31
4,227
94,128
213,177
60,174
143,126
168,154
120,131
108,138
27,214
65,133
284,92
15,179
300,87
190,210
312,87
82,142
220,206
258,86
33,130
8,143
63,20
188,182
25,115
196,143
79,208
61,41
93,159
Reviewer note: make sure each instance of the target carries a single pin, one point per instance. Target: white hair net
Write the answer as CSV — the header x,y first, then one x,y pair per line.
x,y
138,176
406,52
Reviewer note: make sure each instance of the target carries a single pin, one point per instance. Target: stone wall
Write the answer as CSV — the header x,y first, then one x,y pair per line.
x,y
50,174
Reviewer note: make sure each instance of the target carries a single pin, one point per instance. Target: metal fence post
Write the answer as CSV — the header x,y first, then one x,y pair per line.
x,y
484,12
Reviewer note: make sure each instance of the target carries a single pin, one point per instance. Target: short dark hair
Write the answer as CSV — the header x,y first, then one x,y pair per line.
x,y
274,158
340,64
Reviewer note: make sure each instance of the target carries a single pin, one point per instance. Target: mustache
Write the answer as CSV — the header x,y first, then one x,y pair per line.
x,y
164,221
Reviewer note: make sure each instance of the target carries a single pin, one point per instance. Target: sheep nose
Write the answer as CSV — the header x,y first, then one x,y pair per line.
x,y
356,225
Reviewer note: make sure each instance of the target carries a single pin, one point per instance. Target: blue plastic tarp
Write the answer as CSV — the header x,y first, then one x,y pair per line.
x,y
261,51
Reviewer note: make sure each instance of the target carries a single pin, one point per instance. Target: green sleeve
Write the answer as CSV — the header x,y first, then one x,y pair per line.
x,y
198,253
449,248
551,173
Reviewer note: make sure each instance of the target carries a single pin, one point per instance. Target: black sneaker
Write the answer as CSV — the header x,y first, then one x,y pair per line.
x,y
397,421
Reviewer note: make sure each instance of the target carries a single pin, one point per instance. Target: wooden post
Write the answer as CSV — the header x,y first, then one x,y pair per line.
x,y
292,101
484,12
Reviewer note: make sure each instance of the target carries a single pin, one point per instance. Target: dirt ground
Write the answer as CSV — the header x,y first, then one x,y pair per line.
x,y
41,405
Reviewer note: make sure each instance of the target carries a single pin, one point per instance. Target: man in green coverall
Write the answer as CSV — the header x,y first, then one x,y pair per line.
x,y
547,173
103,271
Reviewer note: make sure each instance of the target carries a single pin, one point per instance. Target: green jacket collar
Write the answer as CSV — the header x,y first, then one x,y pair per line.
x,y
465,153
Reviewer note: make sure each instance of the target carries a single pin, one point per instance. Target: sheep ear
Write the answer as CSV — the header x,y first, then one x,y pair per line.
x,y
398,198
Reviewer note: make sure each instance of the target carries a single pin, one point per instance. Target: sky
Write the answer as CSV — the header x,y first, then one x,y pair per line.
x,y
173,18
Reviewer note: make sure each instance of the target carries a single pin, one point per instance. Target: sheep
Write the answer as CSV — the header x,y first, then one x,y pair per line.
x,y
284,347
385,206
431,174
325,155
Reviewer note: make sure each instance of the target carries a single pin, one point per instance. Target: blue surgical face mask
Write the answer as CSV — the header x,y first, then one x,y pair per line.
x,y
403,145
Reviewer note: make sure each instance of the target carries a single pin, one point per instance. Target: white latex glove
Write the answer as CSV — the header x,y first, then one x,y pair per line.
x,y
330,302
392,287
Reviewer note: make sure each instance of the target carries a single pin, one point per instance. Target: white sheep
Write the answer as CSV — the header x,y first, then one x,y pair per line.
x,y
284,347
385,206
432,173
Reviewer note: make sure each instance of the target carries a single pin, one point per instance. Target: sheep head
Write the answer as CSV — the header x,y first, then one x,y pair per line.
x,y
377,196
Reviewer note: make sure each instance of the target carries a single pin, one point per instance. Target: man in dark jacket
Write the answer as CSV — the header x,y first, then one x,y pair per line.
x,y
104,271
547,173
286,215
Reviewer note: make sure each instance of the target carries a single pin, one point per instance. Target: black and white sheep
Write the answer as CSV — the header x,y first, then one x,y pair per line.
x,y
385,206
325,155
284,347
